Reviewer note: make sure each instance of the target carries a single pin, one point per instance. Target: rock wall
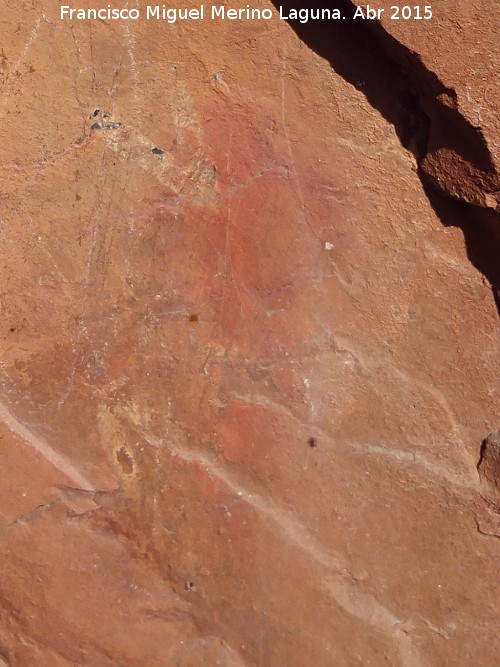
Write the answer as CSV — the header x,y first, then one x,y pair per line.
x,y
249,341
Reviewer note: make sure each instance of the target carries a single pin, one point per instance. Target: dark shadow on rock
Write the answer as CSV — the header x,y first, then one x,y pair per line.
x,y
481,230
418,105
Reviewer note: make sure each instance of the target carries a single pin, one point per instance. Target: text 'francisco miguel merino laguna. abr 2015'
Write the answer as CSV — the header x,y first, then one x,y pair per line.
x,y
221,12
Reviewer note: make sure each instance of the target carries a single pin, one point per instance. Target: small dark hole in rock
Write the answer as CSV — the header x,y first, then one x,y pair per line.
x,y
96,112
194,317
312,442
12,329
157,151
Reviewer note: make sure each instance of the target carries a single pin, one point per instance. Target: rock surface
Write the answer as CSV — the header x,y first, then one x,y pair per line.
x,y
451,61
248,358
489,467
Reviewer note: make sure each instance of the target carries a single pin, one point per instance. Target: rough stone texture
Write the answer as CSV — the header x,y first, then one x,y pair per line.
x,y
489,467
452,61
176,327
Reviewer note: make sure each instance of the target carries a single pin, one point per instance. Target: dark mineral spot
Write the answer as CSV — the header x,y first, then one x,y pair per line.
x,y
193,318
158,152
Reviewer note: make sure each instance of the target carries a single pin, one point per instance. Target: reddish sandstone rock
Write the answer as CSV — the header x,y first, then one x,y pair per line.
x,y
176,327
452,62
489,467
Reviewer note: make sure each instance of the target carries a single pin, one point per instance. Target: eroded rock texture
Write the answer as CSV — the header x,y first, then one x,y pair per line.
x,y
248,357
451,63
